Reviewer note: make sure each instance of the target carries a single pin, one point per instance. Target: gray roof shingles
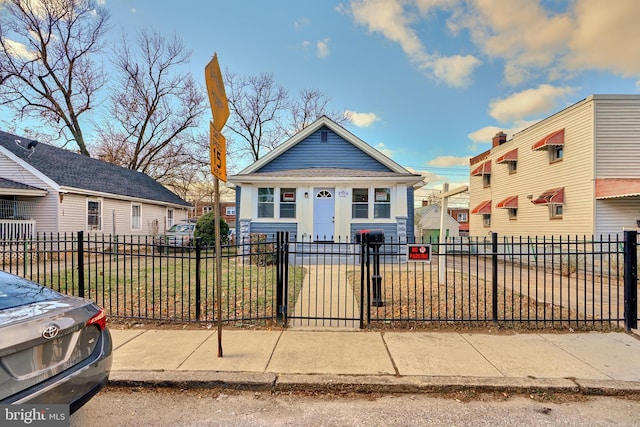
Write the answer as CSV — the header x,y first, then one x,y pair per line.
x,y
69,169
329,172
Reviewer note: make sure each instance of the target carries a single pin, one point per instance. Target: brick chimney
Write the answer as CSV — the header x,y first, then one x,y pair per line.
x,y
499,139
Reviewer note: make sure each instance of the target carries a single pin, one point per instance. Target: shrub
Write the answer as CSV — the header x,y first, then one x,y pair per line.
x,y
205,229
262,250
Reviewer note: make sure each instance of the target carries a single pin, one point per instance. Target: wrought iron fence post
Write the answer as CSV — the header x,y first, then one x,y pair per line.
x,y
285,277
494,277
280,277
630,280
362,282
198,276
81,264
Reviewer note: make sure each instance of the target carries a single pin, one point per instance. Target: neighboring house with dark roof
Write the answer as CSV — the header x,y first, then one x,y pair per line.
x,y
324,184
49,189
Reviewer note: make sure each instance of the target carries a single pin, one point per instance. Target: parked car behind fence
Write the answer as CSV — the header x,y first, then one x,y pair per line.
x,y
179,236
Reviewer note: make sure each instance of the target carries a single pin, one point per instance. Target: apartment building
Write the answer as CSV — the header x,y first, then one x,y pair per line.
x,y
575,173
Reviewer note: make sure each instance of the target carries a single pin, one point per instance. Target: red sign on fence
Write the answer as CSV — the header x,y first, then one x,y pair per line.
x,y
420,253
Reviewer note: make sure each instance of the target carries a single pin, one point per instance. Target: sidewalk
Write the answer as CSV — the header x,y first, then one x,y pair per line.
x,y
591,363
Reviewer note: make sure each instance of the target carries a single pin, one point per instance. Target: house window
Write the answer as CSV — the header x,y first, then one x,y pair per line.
x,y
207,209
382,203
265,202
136,216
230,211
486,220
324,136
169,218
462,217
555,153
94,214
513,167
287,203
486,180
513,213
360,203
555,211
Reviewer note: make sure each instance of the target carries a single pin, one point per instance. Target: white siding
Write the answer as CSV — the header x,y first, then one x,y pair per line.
x,y
617,129
535,175
616,215
46,210
74,215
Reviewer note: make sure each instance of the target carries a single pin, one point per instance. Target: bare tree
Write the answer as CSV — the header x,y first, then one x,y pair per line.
x,y
256,104
47,66
310,105
263,114
154,107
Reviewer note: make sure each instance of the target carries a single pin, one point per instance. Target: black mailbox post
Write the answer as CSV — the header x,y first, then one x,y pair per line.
x,y
373,238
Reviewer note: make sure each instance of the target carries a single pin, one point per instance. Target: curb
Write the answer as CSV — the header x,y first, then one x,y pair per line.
x,y
368,383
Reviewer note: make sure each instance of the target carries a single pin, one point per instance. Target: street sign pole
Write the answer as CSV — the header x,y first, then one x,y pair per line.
x,y
216,183
218,153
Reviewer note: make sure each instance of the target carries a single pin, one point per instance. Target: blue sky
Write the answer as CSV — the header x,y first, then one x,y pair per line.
x,y
428,82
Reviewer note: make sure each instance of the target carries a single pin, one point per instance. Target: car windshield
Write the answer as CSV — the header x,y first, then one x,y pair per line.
x,y
181,228
15,292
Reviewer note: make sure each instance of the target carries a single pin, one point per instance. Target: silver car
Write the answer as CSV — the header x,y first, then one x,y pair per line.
x,y
54,349
179,236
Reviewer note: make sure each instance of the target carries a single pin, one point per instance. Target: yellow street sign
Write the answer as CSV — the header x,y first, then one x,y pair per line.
x,y
218,151
217,94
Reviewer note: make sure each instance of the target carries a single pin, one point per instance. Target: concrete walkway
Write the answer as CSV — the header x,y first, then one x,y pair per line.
x,y
327,296
603,363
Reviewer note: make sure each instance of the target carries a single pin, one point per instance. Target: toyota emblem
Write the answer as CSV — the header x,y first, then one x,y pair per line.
x,y
51,332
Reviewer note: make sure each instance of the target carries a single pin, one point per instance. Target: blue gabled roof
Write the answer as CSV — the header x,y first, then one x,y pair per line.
x,y
69,169
341,149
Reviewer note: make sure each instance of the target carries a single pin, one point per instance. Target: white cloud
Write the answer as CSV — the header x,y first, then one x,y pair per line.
x,y
300,23
19,50
393,20
385,150
604,37
529,103
362,120
388,17
534,41
322,48
449,161
486,134
134,10
455,70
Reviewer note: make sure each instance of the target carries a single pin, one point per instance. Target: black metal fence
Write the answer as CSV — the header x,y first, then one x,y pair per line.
x,y
538,282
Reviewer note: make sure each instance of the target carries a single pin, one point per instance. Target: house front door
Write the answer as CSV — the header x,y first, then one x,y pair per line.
x,y
324,209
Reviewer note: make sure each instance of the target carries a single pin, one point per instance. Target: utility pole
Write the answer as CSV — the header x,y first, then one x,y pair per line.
x,y
442,247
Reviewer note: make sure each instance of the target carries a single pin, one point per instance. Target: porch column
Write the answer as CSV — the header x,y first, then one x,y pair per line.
x,y
401,230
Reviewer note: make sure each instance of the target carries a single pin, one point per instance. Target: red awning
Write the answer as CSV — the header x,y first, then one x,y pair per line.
x,y
555,138
510,202
555,196
483,169
483,208
509,156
